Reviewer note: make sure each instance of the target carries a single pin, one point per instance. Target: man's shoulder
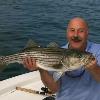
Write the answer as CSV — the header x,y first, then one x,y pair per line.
x,y
65,46
94,45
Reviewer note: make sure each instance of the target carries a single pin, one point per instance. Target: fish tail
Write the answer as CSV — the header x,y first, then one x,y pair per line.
x,y
1,60
2,63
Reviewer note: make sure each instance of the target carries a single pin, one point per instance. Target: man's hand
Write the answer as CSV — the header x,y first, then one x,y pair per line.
x,y
91,65
30,64
94,69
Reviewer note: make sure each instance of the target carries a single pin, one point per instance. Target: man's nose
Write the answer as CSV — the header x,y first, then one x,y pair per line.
x,y
76,33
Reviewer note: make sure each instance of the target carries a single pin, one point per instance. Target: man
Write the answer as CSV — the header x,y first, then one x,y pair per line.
x,y
79,84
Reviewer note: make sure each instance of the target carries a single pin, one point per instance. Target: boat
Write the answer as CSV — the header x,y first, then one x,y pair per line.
x,y
26,87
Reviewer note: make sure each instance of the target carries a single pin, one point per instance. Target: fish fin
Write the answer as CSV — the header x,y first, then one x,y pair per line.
x,y
2,67
53,45
57,66
2,64
31,43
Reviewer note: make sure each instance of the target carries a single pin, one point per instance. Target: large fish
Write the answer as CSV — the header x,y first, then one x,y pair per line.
x,y
51,58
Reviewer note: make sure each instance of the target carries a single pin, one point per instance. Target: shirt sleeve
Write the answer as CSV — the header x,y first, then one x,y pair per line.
x,y
56,75
98,58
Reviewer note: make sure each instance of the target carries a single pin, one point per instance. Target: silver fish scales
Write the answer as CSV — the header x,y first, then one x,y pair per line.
x,y
51,58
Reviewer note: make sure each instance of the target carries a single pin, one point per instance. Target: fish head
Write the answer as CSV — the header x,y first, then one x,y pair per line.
x,y
87,57
76,60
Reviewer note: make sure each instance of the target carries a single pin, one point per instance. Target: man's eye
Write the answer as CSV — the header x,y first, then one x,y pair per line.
x,y
72,30
81,30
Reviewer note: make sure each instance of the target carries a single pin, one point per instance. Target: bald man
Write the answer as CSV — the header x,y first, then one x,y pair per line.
x,y
78,84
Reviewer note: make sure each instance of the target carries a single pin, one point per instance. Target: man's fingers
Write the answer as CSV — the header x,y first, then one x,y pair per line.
x,y
27,61
33,61
30,63
92,64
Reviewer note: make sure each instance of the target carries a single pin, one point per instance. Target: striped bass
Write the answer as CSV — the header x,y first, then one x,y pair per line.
x,y
51,58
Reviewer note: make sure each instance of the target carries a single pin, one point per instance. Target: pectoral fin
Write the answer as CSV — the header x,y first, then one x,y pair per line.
x,y
52,45
58,66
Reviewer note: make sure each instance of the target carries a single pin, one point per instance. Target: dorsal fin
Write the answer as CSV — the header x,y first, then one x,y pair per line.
x,y
31,44
53,45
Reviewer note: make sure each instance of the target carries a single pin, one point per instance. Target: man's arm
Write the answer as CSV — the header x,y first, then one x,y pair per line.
x,y
94,69
48,81
46,78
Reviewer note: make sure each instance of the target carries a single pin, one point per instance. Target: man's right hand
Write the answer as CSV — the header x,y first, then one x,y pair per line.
x,y
47,79
30,63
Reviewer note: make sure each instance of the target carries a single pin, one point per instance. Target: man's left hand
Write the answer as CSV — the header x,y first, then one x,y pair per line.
x,y
91,65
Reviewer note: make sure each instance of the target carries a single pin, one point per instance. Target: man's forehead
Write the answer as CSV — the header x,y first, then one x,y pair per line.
x,y
77,22
76,27
78,19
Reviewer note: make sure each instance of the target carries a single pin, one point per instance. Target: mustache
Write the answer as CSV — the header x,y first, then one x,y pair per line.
x,y
76,38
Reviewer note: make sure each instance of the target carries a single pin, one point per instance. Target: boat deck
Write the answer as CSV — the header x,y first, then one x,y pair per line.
x,y
30,81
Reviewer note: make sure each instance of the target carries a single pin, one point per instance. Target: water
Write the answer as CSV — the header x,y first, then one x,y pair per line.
x,y
43,21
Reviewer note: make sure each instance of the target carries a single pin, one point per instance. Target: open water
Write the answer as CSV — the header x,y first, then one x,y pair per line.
x,y
43,21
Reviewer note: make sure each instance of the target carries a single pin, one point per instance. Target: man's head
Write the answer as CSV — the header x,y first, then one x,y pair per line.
x,y
77,33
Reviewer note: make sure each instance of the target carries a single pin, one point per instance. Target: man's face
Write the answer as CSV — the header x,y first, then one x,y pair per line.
x,y
77,34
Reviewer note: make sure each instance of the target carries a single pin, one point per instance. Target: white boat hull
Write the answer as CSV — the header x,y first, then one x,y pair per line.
x,y
29,81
